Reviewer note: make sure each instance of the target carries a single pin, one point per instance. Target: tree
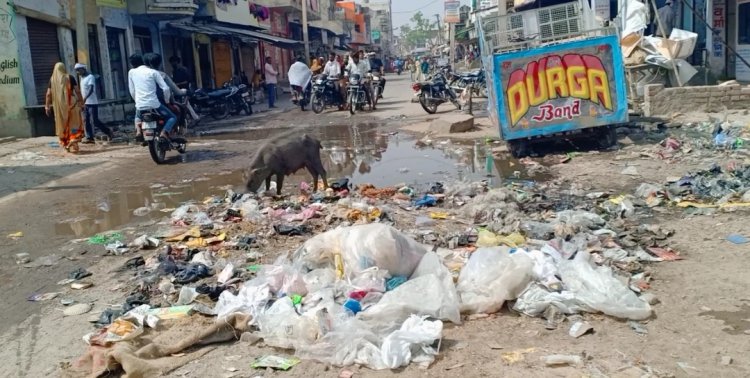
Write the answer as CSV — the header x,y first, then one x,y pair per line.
x,y
419,32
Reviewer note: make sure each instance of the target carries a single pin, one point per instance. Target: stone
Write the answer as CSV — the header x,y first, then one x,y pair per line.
x,y
726,360
452,123
649,298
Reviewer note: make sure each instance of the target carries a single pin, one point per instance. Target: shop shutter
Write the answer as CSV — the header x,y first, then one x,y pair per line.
x,y
45,52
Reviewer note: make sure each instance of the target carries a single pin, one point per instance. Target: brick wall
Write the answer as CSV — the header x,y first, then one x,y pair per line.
x,y
660,101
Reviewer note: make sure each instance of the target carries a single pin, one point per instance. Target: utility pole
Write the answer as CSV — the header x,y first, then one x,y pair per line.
x,y
82,33
439,33
305,38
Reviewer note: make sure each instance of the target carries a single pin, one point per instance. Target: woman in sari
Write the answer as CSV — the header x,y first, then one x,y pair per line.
x,y
65,98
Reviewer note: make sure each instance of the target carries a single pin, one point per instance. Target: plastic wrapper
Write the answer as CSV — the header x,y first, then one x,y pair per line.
x,y
491,277
536,298
360,248
412,342
598,289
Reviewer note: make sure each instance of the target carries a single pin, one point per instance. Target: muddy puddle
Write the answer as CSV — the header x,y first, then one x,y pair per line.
x,y
362,153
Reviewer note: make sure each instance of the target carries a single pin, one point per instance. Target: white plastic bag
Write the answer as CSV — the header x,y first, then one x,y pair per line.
x,y
536,298
349,342
412,342
251,299
362,247
598,289
491,277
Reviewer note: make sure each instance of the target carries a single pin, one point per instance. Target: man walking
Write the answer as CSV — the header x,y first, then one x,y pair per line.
x,y
271,81
91,104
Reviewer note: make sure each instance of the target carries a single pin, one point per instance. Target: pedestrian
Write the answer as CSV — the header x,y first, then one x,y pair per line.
x,y
667,16
271,81
64,97
90,104
424,69
412,68
258,83
180,74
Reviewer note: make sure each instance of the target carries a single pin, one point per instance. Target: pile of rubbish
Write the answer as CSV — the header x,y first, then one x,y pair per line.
x,y
725,187
370,275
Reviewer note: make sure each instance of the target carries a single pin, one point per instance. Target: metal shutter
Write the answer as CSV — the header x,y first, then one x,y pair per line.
x,y
45,52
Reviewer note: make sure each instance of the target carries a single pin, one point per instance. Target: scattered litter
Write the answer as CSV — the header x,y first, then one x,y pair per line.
x,y
77,309
580,328
275,362
42,297
106,238
666,254
15,235
561,360
737,239
630,171
456,366
726,360
510,358
81,285
638,328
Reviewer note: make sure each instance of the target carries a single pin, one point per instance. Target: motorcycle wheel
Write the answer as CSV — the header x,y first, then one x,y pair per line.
x,y
157,151
429,108
181,144
375,96
220,111
352,104
248,109
302,104
317,104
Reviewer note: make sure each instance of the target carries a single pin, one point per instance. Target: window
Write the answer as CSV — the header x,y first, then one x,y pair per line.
x,y
118,61
357,28
743,24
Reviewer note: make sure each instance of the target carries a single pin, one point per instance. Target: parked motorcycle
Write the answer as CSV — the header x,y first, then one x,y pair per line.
x,y
152,125
475,79
356,96
325,94
434,92
239,99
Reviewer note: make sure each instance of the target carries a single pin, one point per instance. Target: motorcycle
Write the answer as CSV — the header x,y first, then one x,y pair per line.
x,y
356,97
434,92
239,99
152,125
302,97
376,88
324,94
475,79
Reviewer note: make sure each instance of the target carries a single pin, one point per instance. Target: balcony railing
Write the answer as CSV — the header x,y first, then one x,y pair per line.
x,y
178,8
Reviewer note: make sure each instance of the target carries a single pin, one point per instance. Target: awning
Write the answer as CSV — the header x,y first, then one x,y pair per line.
x,y
243,34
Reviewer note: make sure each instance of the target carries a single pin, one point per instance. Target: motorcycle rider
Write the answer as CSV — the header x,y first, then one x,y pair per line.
x,y
360,67
333,71
180,73
299,78
154,61
376,65
142,84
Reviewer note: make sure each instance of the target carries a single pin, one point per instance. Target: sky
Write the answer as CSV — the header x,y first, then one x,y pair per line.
x,y
404,9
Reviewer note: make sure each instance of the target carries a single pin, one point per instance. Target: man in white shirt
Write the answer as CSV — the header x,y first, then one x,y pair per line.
x,y
142,83
271,81
333,71
91,104
360,67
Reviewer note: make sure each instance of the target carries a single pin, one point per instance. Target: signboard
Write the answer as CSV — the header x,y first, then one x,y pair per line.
x,y
742,72
452,13
601,9
111,3
375,35
559,88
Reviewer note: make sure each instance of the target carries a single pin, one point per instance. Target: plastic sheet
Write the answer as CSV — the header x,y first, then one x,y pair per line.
x,y
360,248
412,342
598,289
491,277
251,299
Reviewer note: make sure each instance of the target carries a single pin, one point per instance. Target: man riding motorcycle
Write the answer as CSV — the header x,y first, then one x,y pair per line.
x,y
376,65
360,67
154,61
142,84
299,78
332,70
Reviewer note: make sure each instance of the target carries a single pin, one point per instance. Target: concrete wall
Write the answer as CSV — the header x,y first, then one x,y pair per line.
x,y
661,101
12,115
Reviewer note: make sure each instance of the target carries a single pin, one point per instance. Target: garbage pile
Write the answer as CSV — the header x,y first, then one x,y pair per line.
x,y
725,187
369,275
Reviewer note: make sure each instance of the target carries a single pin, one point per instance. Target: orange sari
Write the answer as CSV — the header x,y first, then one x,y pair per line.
x,y
67,108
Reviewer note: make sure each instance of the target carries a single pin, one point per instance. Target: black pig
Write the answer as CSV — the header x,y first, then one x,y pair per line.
x,y
284,156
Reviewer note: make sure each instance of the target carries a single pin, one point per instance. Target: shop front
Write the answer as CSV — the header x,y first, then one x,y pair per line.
x,y
742,71
12,115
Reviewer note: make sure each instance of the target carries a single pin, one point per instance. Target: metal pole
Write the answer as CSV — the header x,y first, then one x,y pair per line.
x,y
305,38
82,33
453,45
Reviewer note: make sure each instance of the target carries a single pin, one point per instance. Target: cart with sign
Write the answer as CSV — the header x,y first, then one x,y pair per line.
x,y
555,73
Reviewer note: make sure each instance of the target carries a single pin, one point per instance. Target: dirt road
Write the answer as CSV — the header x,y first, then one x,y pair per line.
x,y
54,199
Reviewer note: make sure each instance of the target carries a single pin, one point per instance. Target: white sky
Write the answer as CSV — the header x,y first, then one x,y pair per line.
x,y
404,9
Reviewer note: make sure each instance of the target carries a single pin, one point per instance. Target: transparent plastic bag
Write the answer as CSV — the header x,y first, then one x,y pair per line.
x,y
360,248
597,288
350,341
430,291
251,299
412,342
491,277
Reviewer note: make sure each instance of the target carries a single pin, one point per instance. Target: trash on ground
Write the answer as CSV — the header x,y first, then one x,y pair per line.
x,y
275,362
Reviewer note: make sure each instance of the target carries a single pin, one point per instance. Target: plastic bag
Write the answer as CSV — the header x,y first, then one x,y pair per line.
x,y
284,279
362,247
598,289
251,299
412,342
491,277
536,298
349,342
430,291
319,279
